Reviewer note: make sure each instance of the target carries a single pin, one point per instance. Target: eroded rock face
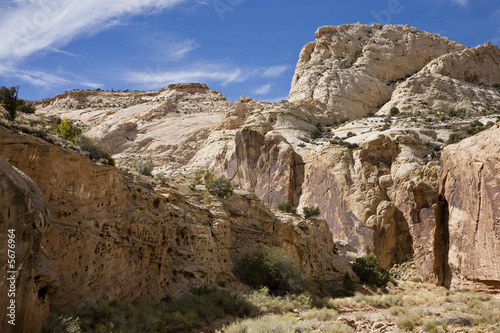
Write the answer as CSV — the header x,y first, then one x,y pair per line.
x,y
352,69
24,209
265,164
111,238
468,79
469,185
371,196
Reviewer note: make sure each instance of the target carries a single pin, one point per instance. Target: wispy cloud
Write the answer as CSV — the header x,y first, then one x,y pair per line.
x,y
221,73
29,26
462,3
157,78
264,90
181,49
274,71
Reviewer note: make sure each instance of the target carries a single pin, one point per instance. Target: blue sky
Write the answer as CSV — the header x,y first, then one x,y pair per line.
x,y
239,47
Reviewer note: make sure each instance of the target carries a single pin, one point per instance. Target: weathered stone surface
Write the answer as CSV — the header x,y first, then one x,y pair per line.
x,y
24,209
265,164
469,185
352,69
111,238
468,79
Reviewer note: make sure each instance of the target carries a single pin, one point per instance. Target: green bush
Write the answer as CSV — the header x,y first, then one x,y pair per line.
x,y
220,187
12,104
286,207
274,268
94,149
348,283
67,130
369,272
143,167
310,211
316,133
453,138
351,134
394,111
199,308
457,113
343,120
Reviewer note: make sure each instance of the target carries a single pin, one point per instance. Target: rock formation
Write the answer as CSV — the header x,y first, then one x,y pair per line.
x,y
469,79
353,69
24,209
112,238
467,230
376,182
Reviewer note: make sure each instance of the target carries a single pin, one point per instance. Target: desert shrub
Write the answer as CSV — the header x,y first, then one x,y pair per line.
x,y
286,207
67,130
206,199
199,308
144,167
315,133
453,138
310,211
348,283
369,271
12,104
457,113
220,187
344,120
268,324
274,268
198,176
344,144
94,149
351,134
394,111
369,115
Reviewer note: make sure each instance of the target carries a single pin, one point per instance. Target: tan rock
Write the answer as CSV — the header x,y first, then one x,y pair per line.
x,y
352,69
24,210
111,238
469,187
467,79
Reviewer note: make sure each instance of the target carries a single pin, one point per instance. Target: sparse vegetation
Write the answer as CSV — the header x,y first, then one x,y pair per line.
x,y
286,207
273,268
369,271
144,167
12,104
344,144
67,130
220,187
348,283
351,134
459,113
394,111
92,148
310,211
343,120
199,308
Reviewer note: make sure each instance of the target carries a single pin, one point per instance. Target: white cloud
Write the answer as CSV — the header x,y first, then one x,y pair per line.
x,y
29,26
264,90
180,49
462,3
274,71
222,73
151,79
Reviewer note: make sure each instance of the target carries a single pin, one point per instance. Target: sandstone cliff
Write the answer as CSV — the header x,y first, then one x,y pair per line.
x,y
112,238
469,79
467,230
24,209
353,69
381,194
